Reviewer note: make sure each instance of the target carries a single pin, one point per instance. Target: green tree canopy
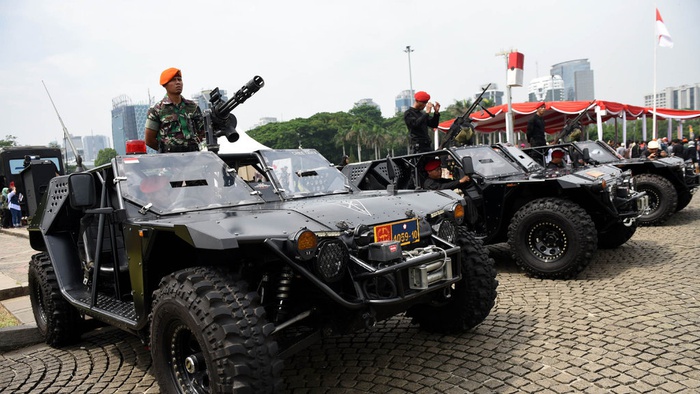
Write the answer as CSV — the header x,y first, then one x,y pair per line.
x,y
10,140
104,156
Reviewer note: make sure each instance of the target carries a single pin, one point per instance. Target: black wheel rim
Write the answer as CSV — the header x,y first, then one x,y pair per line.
x,y
653,200
37,298
183,349
547,241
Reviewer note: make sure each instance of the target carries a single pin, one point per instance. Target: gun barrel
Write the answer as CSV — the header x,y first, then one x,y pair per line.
x,y
242,95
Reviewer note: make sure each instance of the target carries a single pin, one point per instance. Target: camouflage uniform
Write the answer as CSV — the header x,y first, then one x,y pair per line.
x,y
180,127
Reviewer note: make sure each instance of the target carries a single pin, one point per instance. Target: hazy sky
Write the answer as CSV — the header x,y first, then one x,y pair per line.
x,y
318,56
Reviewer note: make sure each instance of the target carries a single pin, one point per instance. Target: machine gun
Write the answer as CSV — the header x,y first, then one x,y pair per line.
x,y
572,124
219,121
463,122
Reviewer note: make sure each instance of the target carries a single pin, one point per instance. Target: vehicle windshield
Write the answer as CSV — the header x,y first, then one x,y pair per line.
x,y
598,153
488,162
305,172
523,158
180,182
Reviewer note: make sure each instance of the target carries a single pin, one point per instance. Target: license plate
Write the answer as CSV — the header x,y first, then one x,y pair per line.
x,y
405,232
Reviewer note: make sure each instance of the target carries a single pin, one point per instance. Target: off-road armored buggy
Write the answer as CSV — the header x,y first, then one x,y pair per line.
x,y
223,278
553,220
669,182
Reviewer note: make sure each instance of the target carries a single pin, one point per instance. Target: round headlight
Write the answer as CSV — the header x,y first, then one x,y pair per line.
x,y
304,243
458,213
331,261
447,231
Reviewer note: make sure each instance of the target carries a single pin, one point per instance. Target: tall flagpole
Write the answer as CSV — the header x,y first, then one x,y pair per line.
x,y
653,123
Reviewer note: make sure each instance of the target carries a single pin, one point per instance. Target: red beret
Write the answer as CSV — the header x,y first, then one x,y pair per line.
x,y
422,96
153,183
558,153
432,164
169,74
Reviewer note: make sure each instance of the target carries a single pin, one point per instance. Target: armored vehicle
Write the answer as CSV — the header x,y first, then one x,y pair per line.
x,y
668,181
224,278
553,220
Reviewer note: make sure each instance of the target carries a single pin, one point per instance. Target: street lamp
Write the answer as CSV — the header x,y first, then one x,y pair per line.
x,y
408,50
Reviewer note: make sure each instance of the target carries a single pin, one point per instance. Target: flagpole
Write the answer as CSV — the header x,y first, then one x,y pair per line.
x,y
653,123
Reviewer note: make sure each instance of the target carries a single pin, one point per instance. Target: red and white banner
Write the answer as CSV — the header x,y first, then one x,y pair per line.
x,y
664,37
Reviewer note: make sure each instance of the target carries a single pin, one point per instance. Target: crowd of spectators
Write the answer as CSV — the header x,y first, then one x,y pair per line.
x,y
683,148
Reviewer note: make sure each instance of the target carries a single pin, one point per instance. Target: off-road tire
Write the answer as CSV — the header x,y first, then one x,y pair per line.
x,y
684,198
206,312
663,198
551,238
58,321
472,298
616,235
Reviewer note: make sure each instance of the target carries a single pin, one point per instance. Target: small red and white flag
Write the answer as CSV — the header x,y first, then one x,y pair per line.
x,y
664,37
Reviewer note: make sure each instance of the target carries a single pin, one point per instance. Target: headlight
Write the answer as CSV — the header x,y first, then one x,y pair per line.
x,y
600,186
331,261
304,244
458,213
446,230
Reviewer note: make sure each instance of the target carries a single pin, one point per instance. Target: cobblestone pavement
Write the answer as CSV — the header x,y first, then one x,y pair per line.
x,y
628,324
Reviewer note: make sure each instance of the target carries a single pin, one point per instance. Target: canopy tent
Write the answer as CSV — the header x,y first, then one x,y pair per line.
x,y
244,144
558,113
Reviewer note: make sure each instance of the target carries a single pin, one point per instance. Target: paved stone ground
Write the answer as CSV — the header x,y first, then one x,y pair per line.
x,y
628,324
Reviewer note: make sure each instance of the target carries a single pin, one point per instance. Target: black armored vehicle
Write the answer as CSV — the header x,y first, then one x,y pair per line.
x,y
668,181
224,277
553,220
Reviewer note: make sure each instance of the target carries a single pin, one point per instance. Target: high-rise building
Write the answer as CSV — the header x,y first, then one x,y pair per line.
x,y
202,98
128,122
403,101
492,94
549,88
264,121
367,101
679,97
578,79
93,144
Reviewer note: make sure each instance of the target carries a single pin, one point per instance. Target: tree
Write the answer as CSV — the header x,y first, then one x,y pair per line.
x,y
104,156
10,140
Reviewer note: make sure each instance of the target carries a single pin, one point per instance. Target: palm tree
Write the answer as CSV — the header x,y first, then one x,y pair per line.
x,y
357,133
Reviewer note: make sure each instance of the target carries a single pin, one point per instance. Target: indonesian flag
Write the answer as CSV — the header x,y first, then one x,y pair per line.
x,y
663,34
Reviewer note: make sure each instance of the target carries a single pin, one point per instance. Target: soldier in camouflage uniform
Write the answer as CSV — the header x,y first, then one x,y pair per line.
x,y
174,124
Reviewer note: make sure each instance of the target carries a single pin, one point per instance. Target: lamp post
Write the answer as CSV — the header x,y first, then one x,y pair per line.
x,y
408,50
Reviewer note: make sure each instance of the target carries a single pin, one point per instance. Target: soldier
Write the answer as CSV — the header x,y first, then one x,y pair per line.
x,y
435,181
418,122
174,124
535,128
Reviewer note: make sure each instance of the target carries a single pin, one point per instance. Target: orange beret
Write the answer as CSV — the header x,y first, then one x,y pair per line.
x,y
422,96
432,164
153,183
168,74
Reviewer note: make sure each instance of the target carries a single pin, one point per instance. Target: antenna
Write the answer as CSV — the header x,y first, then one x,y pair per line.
x,y
66,135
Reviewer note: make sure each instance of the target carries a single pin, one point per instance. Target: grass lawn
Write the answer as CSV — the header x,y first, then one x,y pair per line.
x,y
6,318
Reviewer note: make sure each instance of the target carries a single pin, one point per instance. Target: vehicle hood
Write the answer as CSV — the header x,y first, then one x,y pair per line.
x,y
225,228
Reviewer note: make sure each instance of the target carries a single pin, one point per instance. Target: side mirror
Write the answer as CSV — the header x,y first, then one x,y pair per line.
x,y
81,190
467,165
391,173
586,155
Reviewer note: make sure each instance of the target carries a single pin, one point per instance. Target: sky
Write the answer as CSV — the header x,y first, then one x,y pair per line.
x,y
318,56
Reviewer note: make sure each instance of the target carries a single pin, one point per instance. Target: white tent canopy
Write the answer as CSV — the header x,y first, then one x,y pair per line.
x,y
244,144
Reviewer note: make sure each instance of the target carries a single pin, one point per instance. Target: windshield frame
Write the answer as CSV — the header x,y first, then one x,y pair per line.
x,y
605,156
300,173
171,183
499,166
